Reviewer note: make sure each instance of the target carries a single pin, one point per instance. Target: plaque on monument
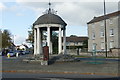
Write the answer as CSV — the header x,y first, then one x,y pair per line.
x,y
45,53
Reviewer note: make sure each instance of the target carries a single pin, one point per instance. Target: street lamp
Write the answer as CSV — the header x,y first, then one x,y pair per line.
x,y
105,29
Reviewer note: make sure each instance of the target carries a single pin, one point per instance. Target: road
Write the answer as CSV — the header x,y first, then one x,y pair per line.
x,y
54,76
68,70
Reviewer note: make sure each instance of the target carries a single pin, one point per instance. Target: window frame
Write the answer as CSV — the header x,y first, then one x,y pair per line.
x,y
111,43
102,45
110,21
102,23
102,33
93,35
111,32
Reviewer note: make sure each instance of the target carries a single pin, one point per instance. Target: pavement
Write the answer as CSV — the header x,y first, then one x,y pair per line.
x,y
83,67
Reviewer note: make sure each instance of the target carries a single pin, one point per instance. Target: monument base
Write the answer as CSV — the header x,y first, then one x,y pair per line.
x,y
44,62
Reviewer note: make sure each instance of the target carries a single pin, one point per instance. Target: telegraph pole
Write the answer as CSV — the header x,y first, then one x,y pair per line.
x,y
105,29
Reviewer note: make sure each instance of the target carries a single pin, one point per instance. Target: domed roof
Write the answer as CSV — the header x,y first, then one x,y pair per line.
x,y
49,18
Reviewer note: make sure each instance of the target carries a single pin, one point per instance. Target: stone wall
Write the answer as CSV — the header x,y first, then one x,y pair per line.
x,y
115,52
112,53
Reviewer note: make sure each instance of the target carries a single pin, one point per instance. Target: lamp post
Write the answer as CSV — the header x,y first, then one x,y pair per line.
x,y
13,38
13,42
105,29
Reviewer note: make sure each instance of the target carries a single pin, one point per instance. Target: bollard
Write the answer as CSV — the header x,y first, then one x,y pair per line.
x,y
8,55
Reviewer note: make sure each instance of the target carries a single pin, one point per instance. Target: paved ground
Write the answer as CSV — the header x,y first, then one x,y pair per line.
x,y
49,76
108,68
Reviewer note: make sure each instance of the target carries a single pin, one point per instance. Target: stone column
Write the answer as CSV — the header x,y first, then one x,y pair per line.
x,y
51,47
51,51
60,42
38,41
35,41
41,51
48,38
64,41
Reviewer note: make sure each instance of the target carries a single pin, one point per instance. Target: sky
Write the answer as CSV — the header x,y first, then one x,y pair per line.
x,y
18,15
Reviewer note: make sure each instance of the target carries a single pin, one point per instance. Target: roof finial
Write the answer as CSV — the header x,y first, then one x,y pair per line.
x,y
49,4
49,11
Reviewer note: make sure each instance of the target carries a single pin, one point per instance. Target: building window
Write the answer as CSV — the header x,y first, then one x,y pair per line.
x,y
102,45
102,33
102,23
111,44
93,35
76,43
110,21
93,25
111,32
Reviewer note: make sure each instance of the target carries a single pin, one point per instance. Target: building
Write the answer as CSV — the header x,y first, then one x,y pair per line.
x,y
76,45
75,42
96,32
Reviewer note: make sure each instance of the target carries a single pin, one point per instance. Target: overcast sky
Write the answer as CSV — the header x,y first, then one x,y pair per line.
x,y
18,15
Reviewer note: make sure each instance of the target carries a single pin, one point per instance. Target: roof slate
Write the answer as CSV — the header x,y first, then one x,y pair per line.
x,y
49,19
76,39
100,18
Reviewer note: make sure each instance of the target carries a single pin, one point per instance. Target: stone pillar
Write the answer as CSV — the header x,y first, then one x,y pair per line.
x,y
35,41
38,41
48,38
60,42
51,47
64,41
41,51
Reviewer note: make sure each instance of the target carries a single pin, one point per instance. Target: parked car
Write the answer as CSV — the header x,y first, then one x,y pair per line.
x,y
24,52
0,53
11,53
27,52
19,53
